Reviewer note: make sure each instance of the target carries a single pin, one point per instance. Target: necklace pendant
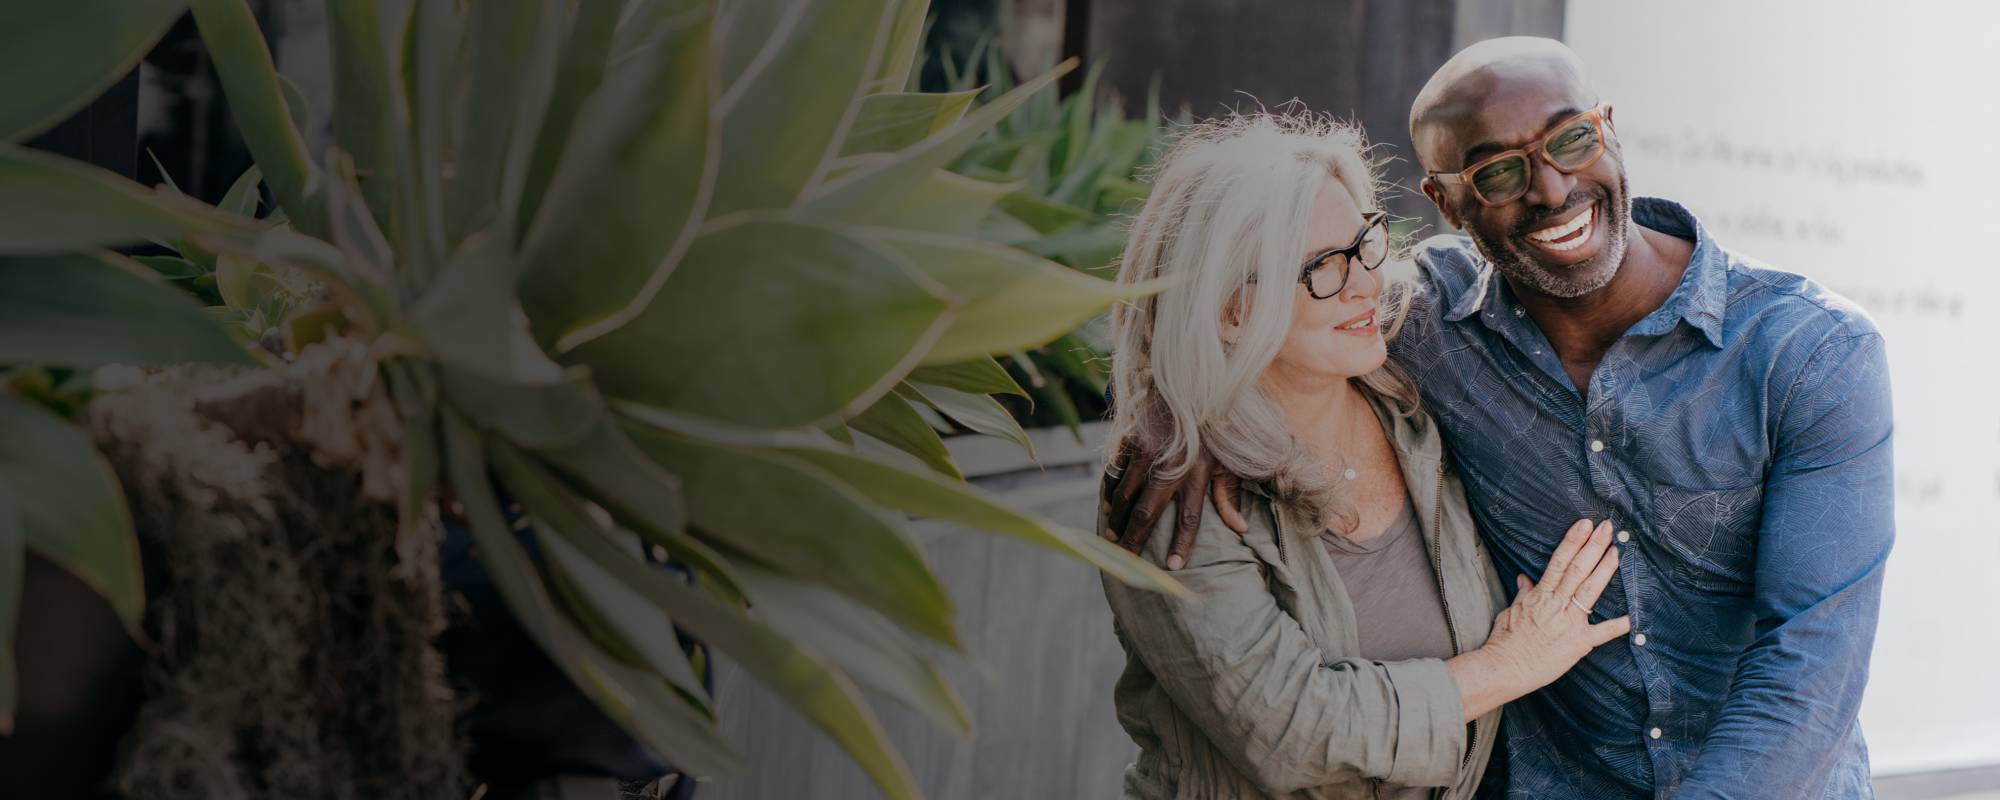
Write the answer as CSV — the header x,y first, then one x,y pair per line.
x,y
1349,474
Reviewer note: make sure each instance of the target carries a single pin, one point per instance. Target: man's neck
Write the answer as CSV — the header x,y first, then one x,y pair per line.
x,y
1582,328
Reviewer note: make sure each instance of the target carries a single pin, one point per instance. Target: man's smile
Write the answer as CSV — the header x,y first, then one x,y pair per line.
x,y
1567,235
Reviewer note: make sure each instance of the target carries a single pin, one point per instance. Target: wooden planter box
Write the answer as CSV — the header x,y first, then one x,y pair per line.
x,y
1038,678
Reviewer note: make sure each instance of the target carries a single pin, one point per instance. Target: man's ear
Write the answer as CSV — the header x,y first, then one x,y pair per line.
x,y
1435,191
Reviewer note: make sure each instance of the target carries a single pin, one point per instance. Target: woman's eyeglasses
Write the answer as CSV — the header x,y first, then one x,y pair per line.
x,y
1369,249
1572,145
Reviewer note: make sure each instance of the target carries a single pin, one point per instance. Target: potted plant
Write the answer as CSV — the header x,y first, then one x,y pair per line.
x,y
603,283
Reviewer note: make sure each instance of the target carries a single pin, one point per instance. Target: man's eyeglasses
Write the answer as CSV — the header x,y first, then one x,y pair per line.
x,y
1368,250
1572,145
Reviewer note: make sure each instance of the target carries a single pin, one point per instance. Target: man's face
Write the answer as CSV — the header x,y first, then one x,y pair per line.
x,y
1566,236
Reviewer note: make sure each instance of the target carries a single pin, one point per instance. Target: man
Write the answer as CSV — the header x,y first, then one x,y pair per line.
x,y
1591,355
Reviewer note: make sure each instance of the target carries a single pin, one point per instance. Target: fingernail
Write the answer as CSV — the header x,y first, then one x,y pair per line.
x,y
1175,562
1110,535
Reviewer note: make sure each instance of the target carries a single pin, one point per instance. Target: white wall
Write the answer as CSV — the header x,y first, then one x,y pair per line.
x,y
1859,144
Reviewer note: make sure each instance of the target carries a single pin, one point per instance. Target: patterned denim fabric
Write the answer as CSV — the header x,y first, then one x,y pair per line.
x,y
1739,438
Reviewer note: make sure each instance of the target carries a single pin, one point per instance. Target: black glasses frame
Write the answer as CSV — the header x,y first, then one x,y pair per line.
x,y
1351,255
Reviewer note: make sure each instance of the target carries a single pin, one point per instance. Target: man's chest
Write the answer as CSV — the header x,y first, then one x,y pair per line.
x,y
1671,444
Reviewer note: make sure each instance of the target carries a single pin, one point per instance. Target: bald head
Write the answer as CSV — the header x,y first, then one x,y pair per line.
x,y
1483,78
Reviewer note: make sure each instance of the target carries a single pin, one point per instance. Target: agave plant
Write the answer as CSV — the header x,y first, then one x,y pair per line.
x,y
1075,165
667,274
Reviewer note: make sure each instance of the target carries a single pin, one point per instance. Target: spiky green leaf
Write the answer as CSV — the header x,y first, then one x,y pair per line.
x,y
370,119
1044,215
892,121
70,507
904,47
638,700
620,619
778,510
892,421
579,543
554,414
241,199
806,321
1009,300
945,202
514,45
50,204
885,179
586,52
640,495
979,412
73,50
981,375
630,192
916,492
645,628
772,151
83,310
875,653
257,101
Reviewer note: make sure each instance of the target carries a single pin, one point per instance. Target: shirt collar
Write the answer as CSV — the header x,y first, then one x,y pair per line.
x,y
1699,299
1702,295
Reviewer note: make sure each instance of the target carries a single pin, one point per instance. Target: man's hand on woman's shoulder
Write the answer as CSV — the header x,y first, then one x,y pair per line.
x,y
1134,498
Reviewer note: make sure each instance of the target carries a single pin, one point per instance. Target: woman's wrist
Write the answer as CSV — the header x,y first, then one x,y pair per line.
x,y
1488,678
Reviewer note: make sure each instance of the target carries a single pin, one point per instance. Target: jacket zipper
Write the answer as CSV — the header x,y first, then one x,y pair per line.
x,y
1278,523
1451,628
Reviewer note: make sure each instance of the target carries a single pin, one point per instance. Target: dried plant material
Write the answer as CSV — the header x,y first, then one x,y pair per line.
x,y
292,652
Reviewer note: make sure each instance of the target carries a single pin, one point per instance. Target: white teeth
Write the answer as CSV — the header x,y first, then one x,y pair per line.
x,y
1358,324
1547,236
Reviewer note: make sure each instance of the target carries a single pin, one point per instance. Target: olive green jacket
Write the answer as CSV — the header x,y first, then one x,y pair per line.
x,y
1252,685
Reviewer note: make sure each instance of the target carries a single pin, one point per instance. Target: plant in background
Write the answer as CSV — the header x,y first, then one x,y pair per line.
x,y
664,275
279,307
1075,164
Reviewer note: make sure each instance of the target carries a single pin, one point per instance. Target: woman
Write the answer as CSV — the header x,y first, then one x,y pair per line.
x,y
1347,645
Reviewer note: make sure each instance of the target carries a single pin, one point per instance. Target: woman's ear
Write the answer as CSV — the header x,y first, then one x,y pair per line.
x,y
1232,317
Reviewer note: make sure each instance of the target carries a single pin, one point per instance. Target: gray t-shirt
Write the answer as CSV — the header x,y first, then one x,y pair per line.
x,y
1397,609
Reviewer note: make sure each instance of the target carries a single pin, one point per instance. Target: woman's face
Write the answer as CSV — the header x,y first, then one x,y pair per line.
x,y
1339,337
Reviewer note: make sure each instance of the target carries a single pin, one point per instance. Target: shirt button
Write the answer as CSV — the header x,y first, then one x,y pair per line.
x,y
1640,640
1624,536
1518,311
1655,733
1596,446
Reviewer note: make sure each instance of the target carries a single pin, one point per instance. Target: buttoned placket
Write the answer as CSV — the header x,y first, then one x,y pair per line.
x,y
1527,339
1598,458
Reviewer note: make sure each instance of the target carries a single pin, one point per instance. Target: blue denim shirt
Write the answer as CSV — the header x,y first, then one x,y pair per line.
x,y
1739,437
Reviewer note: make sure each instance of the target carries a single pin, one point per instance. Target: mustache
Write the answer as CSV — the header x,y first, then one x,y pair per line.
x,y
1576,199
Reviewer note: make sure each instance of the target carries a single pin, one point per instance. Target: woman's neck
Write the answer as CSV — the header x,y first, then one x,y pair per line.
x,y
1319,415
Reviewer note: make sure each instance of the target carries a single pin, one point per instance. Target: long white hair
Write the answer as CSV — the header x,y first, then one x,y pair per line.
x,y
1233,198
